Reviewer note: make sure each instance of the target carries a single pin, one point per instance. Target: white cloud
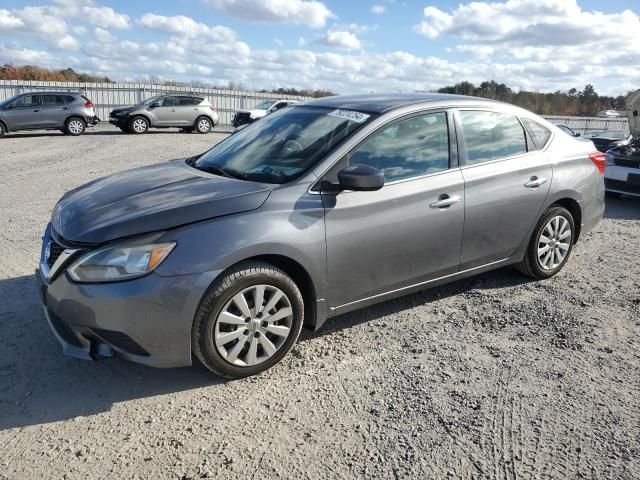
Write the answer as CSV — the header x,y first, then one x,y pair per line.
x,y
103,35
378,9
187,27
341,39
278,42
79,30
105,17
311,13
37,22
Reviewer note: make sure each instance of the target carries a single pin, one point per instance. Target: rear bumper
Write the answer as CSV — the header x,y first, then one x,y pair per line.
x,y
146,320
616,180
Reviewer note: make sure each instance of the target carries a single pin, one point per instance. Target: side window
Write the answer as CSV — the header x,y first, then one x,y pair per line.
x,y
407,148
539,134
188,101
491,135
28,101
53,100
167,102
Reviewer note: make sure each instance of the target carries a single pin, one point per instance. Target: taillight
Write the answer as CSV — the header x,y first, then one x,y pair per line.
x,y
599,160
88,104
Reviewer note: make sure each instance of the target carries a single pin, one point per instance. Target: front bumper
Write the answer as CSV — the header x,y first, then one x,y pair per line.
x,y
146,320
616,179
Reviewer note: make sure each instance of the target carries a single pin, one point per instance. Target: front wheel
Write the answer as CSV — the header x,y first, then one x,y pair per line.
x,y
550,245
248,321
74,126
203,125
138,125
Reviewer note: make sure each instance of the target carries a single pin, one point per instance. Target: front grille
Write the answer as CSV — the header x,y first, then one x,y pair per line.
x,y
55,250
626,163
620,186
120,340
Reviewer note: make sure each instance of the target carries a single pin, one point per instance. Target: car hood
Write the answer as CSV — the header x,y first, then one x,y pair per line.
x,y
150,199
128,108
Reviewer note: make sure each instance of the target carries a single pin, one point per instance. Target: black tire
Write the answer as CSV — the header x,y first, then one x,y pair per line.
x,y
138,125
613,194
531,265
75,126
220,294
2,130
203,124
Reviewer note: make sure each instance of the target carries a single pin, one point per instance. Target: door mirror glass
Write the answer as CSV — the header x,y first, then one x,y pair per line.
x,y
360,178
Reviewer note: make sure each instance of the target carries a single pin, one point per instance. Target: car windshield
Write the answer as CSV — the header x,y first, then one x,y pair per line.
x,y
282,146
266,105
150,100
611,134
8,100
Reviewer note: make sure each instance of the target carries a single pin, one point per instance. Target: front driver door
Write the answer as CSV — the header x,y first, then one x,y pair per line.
x,y
409,231
164,113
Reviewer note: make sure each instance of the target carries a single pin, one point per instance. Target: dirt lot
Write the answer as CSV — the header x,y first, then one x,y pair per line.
x,y
492,377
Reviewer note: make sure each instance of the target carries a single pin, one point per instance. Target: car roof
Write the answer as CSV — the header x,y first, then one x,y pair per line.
x,y
384,102
52,93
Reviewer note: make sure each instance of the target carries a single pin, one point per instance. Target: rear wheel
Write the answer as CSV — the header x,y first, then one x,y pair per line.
x,y
550,245
74,126
203,124
248,321
138,125
2,130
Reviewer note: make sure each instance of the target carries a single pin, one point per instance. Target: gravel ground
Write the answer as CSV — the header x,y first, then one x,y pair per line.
x,y
492,377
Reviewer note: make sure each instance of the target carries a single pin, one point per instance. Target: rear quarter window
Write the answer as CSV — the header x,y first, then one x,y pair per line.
x,y
539,134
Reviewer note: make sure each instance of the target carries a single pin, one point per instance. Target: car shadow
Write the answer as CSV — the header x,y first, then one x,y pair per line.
x,y
624,208
38,384
501,278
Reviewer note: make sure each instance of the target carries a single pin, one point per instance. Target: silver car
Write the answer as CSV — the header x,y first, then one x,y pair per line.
x,y
70,113
187,112
314,211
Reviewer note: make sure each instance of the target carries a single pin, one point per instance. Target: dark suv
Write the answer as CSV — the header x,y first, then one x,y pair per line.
x,y
70,113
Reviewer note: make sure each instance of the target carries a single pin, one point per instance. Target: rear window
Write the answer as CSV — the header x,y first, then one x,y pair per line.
x,y
491,135
539,134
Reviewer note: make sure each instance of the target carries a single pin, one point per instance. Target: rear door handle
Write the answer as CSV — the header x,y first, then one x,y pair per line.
x,y
445,201
535,182
36,110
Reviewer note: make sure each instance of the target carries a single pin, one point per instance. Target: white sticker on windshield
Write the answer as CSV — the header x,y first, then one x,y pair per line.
x,y
352,115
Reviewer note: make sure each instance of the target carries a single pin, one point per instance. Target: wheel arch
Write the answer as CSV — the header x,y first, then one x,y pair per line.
x,y
575,209
4,124
146,117
298,274
75,115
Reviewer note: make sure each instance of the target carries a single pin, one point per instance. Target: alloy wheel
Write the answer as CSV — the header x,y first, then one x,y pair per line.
x,y
204,125
139,125
554,243
76,127
253,325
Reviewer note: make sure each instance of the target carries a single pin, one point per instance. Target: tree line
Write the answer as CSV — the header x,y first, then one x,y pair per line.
x,y
572,102
9,71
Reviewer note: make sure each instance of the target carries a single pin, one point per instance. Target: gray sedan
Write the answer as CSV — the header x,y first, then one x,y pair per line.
x,y
314,211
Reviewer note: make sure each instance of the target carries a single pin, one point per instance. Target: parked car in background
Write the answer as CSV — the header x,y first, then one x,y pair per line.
x,y
243,117
322,209
608,114
606,139
566,129
187,112
622,175
70,113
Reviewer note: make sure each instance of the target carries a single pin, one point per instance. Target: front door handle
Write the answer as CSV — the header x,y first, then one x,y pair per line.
x,y
36,110
445,201
535,182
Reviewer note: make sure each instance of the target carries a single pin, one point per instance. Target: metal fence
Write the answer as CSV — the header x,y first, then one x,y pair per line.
x,y
106,96
585,125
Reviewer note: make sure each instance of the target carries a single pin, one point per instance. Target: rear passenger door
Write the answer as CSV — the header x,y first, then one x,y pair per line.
x,y
53,111
187,110
507,179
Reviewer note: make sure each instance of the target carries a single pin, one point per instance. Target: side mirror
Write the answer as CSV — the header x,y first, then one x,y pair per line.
x,y
12,106
155,105
577,135
360,178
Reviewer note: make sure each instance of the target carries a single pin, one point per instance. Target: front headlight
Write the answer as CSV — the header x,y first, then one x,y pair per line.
x,y
120,262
